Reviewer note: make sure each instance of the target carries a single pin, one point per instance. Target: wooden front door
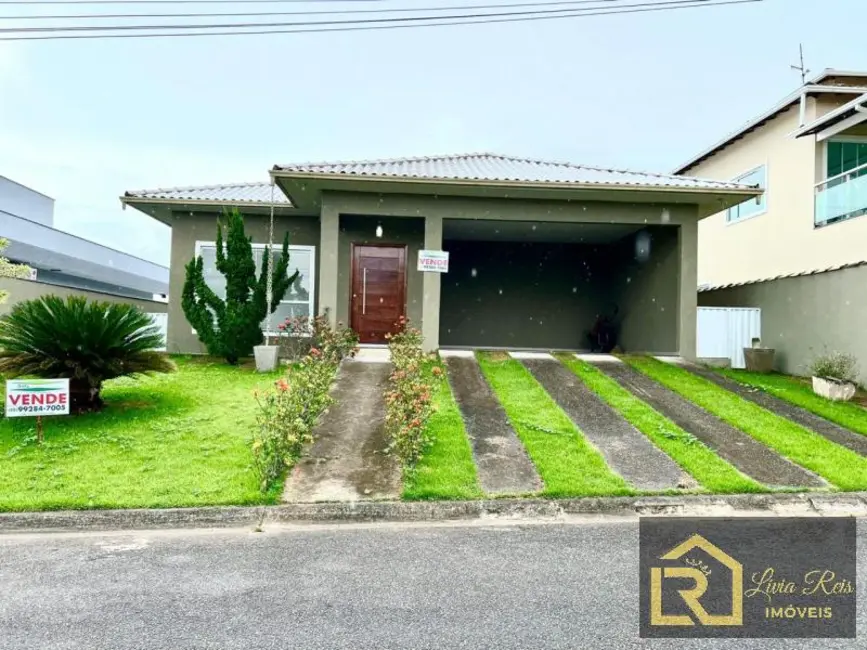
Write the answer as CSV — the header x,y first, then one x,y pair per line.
x,y
378,298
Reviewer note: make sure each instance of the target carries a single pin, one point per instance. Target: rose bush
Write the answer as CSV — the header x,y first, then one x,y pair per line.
x,y
408,398
289,411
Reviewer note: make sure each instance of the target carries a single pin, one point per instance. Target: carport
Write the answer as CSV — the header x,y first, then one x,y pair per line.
x,y
542,285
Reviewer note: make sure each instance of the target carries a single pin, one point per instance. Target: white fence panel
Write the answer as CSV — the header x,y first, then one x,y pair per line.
x,y
162,322
724,332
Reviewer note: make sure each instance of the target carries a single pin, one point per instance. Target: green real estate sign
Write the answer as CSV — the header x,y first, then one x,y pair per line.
x,y
29,397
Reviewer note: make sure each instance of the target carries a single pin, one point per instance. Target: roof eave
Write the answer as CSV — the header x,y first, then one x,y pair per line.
x,y
507,184
779,107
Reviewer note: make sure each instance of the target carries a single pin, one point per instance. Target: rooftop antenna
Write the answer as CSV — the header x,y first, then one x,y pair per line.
x,y
801,68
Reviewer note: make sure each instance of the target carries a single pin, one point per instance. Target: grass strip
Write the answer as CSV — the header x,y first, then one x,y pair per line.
x,y
711,471
446,470
795,390
842,467
567,463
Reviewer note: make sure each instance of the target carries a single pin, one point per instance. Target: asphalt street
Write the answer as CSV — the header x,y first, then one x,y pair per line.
x,y
482,585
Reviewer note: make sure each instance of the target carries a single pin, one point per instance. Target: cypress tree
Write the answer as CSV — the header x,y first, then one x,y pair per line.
x,y
229,327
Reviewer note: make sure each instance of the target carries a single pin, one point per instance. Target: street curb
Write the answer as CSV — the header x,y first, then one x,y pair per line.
x,y
801,504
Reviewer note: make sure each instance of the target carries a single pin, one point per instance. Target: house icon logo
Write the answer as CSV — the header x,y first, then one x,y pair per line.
x,y
691,580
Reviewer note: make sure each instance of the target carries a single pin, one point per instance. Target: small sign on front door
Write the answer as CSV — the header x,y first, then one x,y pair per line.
x,y
434,261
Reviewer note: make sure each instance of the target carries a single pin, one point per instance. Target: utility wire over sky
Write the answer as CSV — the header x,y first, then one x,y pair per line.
x,y
573,9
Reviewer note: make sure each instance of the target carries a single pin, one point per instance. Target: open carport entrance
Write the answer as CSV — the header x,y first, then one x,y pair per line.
x,y
542,285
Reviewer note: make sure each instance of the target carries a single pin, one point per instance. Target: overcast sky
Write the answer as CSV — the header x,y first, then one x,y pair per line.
x,y
83,121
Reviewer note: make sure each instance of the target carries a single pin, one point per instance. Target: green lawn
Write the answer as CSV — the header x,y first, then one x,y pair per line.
x,y
164,441
447,470
842,467
567,463
798,392
714,473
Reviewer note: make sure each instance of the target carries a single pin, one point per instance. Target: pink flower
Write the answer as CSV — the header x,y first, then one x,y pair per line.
x,y
282,385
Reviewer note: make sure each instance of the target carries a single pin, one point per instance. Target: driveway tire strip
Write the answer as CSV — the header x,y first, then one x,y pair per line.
x,y
626,450
501,460
833,432
738,448
347,461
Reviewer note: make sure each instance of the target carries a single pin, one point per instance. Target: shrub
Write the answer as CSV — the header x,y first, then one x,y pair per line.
x,y
229,327
408,398
289,411
835,365
301,334
87,341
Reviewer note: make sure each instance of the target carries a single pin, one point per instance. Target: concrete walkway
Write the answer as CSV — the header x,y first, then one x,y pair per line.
x,y
740,449
347,461
830,430
501,460
626,450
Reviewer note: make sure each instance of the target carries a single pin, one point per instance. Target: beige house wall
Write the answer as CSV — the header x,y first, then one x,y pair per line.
x,y
20,290
782,240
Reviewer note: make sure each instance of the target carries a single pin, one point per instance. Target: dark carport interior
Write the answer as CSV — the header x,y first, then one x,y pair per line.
x,y
542,285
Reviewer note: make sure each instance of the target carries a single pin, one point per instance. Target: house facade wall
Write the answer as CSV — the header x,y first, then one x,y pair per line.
x,y
20,290
646,290
807,315
783,239
434,210
189,228
356,229
417,221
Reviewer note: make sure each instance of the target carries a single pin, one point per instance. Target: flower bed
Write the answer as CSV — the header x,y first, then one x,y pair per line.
x,y
289,411
408,398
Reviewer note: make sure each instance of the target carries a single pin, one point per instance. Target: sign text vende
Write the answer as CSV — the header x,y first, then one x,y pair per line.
x,y
29,397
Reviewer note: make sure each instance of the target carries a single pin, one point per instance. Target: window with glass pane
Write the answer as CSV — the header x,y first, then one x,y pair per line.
x,y
844,156
751,207
298,301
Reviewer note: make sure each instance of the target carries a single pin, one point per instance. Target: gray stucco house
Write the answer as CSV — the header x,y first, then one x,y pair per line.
x,y
537,249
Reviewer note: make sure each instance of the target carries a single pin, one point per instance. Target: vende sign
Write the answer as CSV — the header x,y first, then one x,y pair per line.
x,y
436,261
28,397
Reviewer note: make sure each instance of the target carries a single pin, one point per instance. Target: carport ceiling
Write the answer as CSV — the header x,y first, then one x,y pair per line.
x,y
536,231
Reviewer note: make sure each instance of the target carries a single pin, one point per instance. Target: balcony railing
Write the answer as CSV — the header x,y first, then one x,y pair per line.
x,y
842,196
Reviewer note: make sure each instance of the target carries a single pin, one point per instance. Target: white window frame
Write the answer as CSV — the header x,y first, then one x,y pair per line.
x,y
738,179
278,247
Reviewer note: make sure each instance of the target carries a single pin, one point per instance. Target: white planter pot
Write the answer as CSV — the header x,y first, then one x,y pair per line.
x,y
266,357
833,389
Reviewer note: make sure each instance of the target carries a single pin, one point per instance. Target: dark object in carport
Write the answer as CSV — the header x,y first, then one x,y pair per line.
x,y
603,334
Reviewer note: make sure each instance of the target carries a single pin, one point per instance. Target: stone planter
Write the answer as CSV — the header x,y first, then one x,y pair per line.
x,y
266,357
759,359
833,389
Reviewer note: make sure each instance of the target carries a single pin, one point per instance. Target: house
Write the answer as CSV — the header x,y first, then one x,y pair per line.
x,y
799,251
536,249
63,264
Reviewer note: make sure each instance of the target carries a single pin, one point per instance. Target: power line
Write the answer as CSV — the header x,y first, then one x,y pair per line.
x,y
308,12
351,21
438,21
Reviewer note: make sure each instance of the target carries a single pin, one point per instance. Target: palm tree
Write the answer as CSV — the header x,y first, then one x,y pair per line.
x,y
87,341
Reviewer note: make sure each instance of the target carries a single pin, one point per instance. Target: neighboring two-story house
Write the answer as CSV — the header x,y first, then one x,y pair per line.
x,y
799,252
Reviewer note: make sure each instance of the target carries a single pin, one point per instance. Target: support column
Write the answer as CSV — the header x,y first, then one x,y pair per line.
x,y
687,315
430,306
328,262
